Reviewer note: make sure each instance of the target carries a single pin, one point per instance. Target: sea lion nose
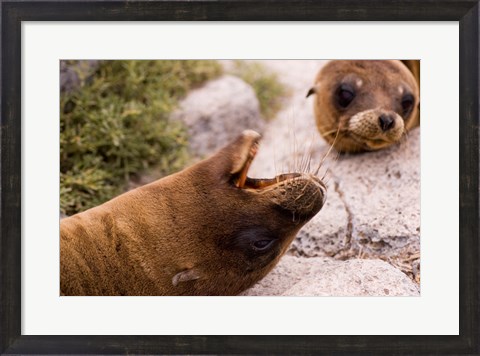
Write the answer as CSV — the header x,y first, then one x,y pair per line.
x,y
386,122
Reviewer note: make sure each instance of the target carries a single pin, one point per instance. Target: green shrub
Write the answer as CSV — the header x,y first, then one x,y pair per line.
x,y
116,124
270,92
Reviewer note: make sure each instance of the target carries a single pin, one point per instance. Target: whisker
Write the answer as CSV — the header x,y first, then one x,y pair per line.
x,y
295,151
325,174
336,157
292,144
310,153
306,157
328,152
330,132
307,169
301,158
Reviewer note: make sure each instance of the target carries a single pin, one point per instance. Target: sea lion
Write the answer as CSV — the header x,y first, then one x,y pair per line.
x,y
206,230
366,105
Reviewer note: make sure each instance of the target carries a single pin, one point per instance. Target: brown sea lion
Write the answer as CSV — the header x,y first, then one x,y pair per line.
x,y
369,104
207,230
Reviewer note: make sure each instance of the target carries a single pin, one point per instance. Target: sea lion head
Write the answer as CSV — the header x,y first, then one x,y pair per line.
x,y
242,225
206,230
369,104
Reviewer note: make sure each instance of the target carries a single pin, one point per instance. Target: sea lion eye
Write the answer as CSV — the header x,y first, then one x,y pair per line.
x,y
253,241
407,104
262,244
345,95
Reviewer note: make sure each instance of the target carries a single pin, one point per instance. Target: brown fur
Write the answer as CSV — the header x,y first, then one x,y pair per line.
x,y
190,233
376,85
413,66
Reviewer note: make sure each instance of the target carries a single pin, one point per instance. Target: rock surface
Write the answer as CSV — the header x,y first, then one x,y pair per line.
x,y
218,112
373,206
320,276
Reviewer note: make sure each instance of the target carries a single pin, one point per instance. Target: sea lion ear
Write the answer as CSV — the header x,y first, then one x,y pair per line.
x,y
243,148
186,275
231,159
313,90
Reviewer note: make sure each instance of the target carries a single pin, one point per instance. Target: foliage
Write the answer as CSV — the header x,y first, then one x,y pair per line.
x,y
270,92
116,124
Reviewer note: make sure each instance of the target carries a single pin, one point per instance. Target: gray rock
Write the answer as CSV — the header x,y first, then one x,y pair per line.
x,y
373,206
218,112
327,233
381,190
317,276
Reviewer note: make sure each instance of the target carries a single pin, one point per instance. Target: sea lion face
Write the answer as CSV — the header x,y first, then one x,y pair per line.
x,y
371,104
249,223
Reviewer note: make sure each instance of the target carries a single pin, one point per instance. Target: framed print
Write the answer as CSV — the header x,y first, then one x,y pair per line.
x,y
43,41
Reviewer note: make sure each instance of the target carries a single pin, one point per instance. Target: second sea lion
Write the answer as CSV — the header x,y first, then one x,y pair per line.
x,y
368,104
207,230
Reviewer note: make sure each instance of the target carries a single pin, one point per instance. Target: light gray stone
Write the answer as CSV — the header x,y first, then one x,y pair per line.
x,y
382,192
373,206
218,112
326,234
317,276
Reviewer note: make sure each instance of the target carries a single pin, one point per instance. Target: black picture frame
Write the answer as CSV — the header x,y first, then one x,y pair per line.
x,y
466,12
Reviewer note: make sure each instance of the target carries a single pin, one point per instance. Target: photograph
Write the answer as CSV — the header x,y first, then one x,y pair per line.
x,y
240,177
198,177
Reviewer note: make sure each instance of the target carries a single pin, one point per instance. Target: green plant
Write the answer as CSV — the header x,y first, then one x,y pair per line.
x,y
116,124
269,90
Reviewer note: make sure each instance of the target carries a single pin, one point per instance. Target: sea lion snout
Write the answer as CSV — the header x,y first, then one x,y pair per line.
x,y
302,196
376,128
